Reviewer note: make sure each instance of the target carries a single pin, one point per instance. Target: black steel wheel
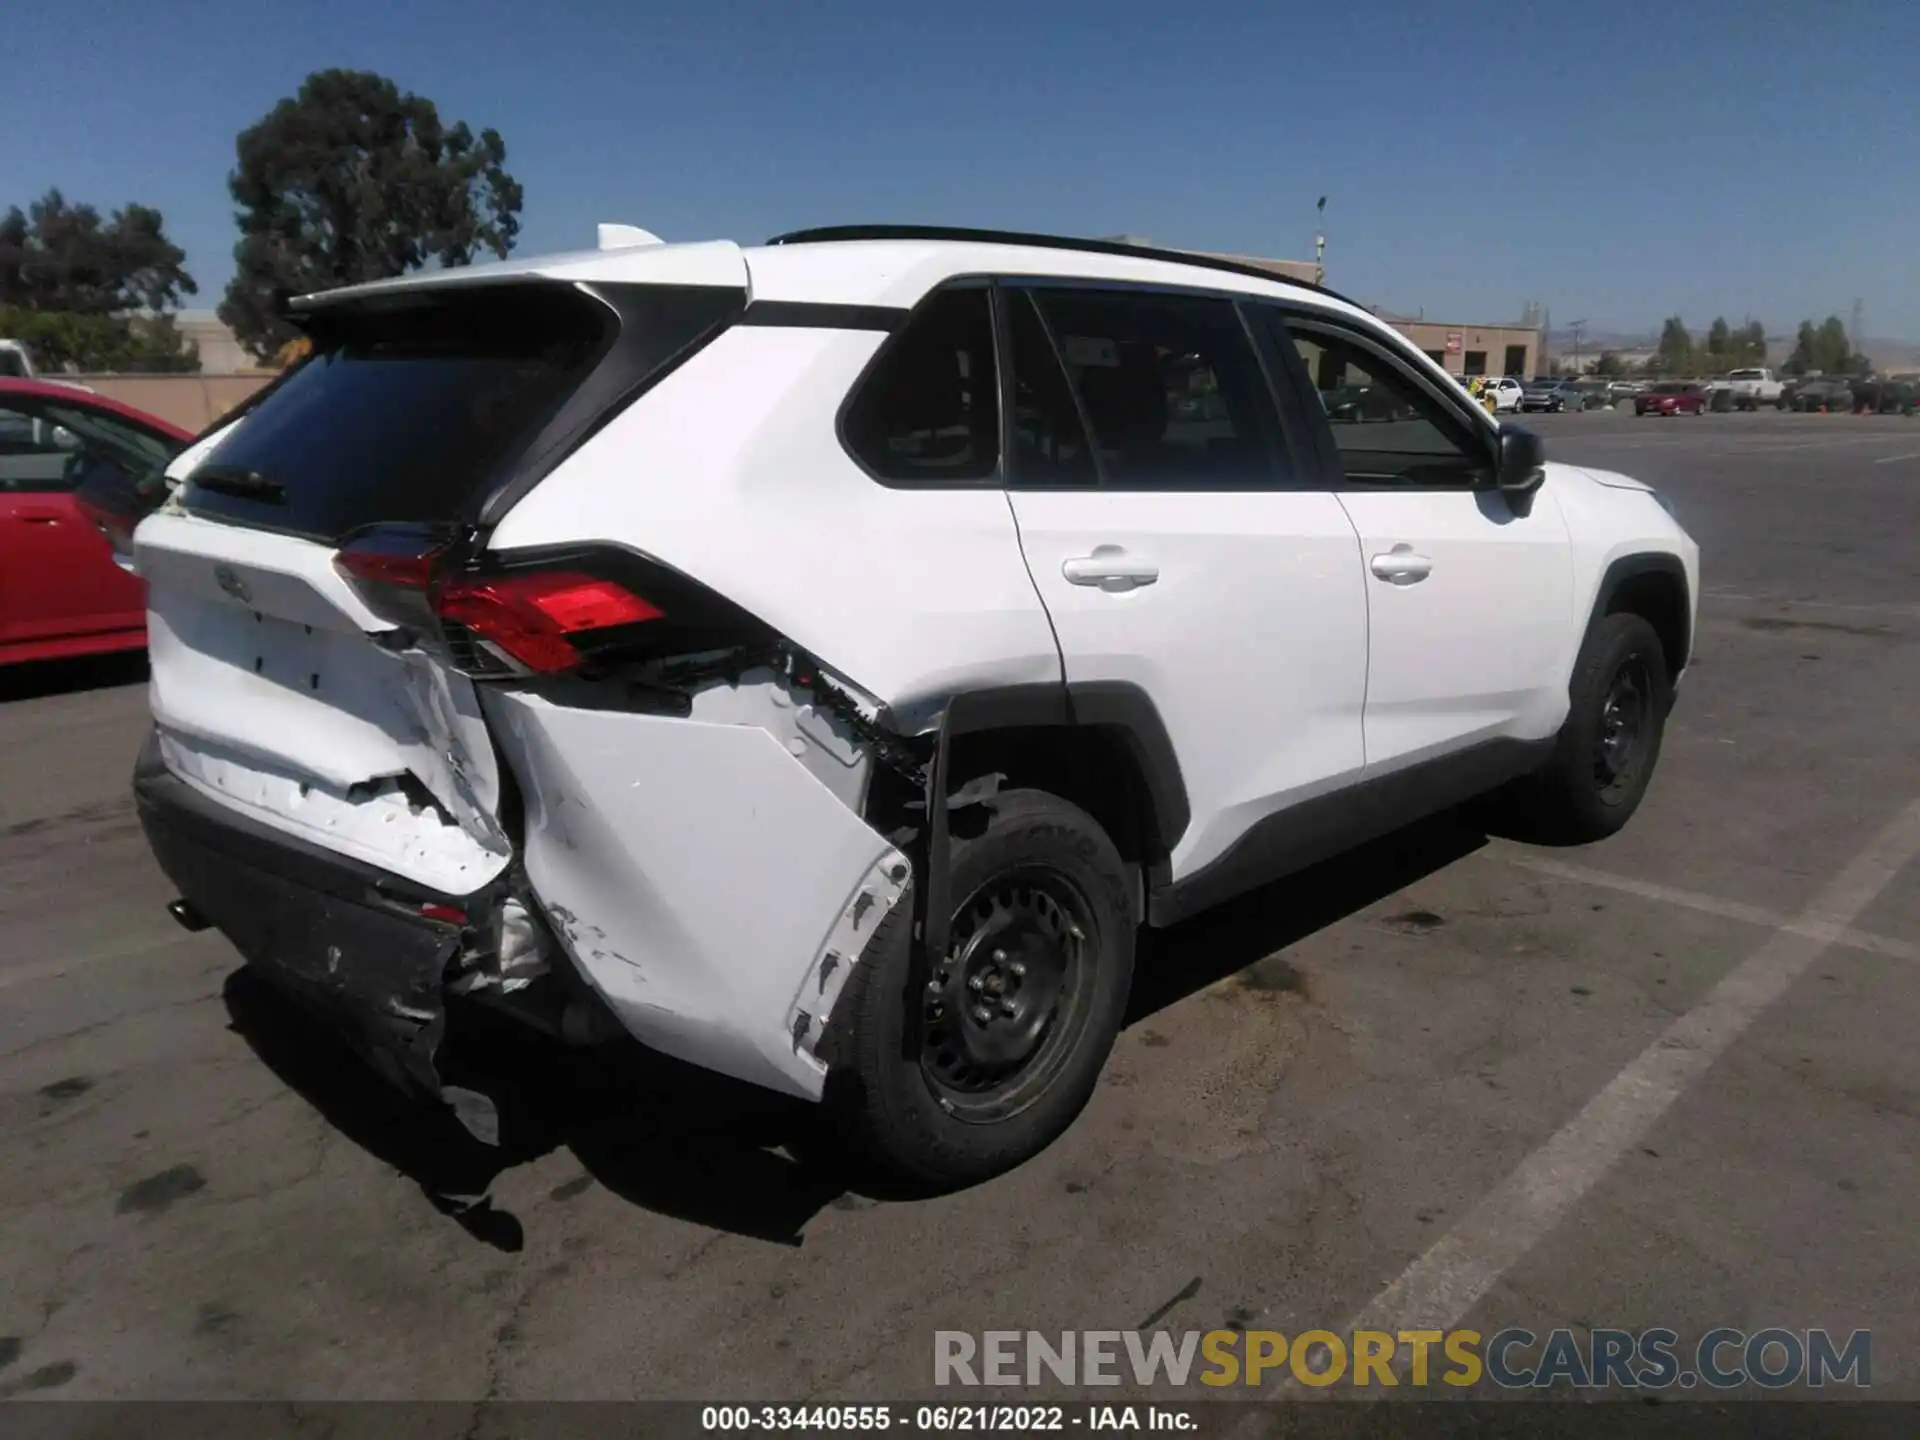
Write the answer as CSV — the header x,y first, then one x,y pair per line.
x,y
1626,724
946,1070
1002,1010
1605,754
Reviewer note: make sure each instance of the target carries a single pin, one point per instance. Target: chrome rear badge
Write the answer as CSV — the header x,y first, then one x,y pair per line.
x,y
228,579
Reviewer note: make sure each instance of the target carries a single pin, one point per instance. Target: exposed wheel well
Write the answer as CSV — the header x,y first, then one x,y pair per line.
x,y
1094,766
1659,597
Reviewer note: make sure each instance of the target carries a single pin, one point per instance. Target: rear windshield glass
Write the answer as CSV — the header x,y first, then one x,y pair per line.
x,y
403,414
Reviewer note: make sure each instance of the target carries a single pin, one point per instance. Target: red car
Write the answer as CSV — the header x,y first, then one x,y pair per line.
x,y
1672,397
61,594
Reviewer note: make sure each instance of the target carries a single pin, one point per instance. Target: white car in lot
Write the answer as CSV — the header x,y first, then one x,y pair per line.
x,y
818,660
1506,391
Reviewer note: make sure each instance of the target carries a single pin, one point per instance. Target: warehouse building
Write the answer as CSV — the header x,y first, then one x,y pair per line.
x,y
1474,349
1459,349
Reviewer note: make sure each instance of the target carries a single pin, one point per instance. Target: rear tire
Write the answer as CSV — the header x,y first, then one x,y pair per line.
x,y
1042,944
1605,754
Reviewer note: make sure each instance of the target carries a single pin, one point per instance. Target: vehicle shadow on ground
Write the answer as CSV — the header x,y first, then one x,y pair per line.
x,y
39,678
1176,962
684,1142
663,1135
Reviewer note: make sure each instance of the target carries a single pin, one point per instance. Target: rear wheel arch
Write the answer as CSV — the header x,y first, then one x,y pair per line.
x,y
1653,586
1100,744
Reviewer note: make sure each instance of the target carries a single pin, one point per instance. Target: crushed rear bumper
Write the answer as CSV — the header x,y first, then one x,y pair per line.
x,y
346,939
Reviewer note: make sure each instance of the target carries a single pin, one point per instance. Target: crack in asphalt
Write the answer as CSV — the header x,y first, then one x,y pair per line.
x,y
95,1026
507,1334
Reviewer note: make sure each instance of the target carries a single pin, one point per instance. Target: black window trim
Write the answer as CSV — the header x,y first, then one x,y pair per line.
x,y
610,385
1473,425
1308,448
1288,467
822,315
995,479
1006,295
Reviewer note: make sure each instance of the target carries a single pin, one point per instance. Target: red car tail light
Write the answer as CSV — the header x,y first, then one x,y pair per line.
x,y
408,570
531,615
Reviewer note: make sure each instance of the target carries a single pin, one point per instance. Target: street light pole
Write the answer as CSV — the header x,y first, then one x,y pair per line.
x,y
1575,328
1320,242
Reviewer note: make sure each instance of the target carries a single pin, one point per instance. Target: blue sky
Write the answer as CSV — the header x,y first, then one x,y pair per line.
x,y
1617,161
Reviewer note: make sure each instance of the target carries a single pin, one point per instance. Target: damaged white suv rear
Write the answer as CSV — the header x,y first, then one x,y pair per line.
x,y
818,660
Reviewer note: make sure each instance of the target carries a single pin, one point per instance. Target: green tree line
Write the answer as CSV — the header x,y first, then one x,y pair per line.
x,y
348,180
1824,348
86,292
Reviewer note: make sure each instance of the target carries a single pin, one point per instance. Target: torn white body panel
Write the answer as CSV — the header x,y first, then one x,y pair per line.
x,y
831,753
700,877
271,695
377,823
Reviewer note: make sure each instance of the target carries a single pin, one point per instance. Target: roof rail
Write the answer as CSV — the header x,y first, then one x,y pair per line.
x,y
826,233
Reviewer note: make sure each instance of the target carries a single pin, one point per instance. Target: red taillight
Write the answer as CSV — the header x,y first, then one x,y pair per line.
x,y
409,571
446,914
531,615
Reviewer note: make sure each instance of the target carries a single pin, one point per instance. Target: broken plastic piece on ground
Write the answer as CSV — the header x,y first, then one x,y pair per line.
x,y
476,1112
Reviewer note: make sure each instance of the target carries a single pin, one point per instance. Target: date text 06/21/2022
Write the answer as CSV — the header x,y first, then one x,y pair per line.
x,y
943,1419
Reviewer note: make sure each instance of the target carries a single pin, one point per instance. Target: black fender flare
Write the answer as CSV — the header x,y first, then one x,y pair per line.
x,y
1117,706
1629,567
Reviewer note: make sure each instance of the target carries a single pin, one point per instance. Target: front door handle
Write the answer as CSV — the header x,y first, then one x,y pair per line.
x,y
1400,566
1111,568
38,514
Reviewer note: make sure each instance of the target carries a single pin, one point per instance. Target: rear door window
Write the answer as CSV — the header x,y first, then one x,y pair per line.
x,y
1049,439
1171,388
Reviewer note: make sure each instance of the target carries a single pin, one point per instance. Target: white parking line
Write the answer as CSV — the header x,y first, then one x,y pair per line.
x,y
1437,1290
1889,459
1713,905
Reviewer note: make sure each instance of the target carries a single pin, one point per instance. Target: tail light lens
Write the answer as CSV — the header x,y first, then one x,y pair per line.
x,y
530,616
533,616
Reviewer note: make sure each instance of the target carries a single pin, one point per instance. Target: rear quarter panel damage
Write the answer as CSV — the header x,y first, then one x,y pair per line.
x,y
709,887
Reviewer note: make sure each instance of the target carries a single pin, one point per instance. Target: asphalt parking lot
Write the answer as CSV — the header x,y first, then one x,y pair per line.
x,y
1666,1080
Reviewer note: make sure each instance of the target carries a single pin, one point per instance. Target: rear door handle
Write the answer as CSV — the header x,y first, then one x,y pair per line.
x,y
38,514
1401,566
1110,568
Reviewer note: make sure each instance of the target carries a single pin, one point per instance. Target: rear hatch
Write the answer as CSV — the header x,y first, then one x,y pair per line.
x,y
290,679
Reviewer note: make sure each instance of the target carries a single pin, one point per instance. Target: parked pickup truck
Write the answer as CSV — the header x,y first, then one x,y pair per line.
x,y
1754,388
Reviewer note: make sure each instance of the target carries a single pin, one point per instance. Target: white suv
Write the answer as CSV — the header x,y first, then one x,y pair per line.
x,y
1507,392
818,660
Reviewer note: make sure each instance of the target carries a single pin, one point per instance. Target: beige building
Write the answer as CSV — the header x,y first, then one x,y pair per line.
x,y
1474,349
1459,349
220,352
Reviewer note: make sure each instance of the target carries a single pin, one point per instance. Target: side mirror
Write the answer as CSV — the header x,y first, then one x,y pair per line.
x,y
1519,469
64,439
